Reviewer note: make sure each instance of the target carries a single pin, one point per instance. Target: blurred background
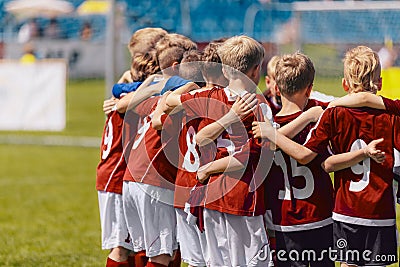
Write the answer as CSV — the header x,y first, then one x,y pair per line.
x,y
77,30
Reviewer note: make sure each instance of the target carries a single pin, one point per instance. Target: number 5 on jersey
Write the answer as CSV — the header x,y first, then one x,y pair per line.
x,y
303,171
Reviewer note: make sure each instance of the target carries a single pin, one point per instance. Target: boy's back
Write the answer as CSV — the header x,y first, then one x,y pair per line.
x,y
150,164
305,198
222,190
364,192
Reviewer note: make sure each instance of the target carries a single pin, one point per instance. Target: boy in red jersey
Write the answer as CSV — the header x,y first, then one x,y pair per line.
x,y
365,99
112,166
149,180
192,242
364,215
300,196
110,171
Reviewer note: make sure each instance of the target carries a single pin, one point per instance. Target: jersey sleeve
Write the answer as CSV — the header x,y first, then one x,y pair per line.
x,y
172,123
195,104
392,106
318,139
146,106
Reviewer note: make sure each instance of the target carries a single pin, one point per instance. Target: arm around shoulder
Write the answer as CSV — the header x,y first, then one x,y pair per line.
x,y
174,99
348,159
300,153
361,99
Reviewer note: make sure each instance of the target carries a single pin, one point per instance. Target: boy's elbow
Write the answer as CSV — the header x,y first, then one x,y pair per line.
x,y
168,108
302,160
171,101
305,158
327,167
157,127
201,140
156,124
121,108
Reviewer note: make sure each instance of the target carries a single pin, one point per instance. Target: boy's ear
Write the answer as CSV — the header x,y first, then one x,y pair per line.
x,y
254,72
380,83
308,90
345,85
175,66
268,80
225,72
277,92
258,70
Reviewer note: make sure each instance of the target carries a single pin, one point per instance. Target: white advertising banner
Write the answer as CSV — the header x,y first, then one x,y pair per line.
x,y
32,96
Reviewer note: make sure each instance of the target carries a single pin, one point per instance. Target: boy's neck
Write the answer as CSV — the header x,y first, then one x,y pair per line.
x,y
292,104
237,86
222,82
166,75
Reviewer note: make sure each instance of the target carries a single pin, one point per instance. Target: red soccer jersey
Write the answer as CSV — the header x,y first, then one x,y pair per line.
x,y
189,157
234,192
364,192
300,196
392,106
131,129
148,163
111,168
189,161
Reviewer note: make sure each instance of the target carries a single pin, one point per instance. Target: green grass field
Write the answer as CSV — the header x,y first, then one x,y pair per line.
x,y
49,214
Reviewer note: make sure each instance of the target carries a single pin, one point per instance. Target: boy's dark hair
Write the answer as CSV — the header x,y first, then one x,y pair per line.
x,y
171,48
212,68
190,67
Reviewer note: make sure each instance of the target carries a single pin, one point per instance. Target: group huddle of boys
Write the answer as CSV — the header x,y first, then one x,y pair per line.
x,y
204,165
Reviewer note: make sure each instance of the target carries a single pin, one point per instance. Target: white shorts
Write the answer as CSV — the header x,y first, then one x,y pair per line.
x,y
114,232
151,222
193,244
268,220
236,240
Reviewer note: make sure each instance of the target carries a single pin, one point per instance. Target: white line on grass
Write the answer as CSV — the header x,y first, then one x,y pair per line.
x,y
50,140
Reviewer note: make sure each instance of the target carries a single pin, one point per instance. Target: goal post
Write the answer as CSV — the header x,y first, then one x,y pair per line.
x,y
326,29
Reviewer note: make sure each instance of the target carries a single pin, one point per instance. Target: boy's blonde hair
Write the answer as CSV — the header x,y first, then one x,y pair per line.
x,y
144,39
294,72
142,49
241,53
144,65
271,66
171,48
362,70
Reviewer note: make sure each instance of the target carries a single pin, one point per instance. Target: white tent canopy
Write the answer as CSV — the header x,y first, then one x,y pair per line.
x,y
39,8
